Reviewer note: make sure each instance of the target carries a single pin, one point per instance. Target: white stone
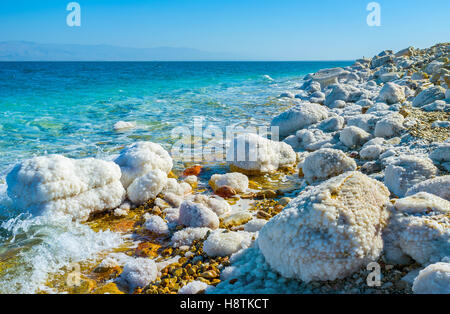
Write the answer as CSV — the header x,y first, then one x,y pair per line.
x,y
194,287
147,187
326,163
142,157
123,125
197,215
353,136
329,231
156,225
254,225
434,279
391,93
390,126
254,153
299,117
56,185
187,236
371,152
224,243
236,180
403,172
138,272
439,186
441,153
177,188
428,96
215,203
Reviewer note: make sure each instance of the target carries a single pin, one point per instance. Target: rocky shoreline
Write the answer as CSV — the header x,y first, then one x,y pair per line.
x,y
358,187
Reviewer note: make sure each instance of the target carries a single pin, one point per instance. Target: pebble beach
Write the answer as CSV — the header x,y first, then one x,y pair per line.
x,y
351,196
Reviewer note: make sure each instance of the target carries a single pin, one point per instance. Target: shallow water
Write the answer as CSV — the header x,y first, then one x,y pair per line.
x,y
70,109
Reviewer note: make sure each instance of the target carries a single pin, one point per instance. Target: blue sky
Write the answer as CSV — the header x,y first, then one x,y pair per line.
x,y
259,29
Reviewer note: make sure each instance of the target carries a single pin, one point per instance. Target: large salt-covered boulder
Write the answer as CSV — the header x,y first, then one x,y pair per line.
x,y
140,158
224,243
147,187
216,203
391,93
55,185
439,186
326,163
329,231
353,136
235,180
428,96
299,117
419,228
252,153
434,279
441,153
197,215
404,171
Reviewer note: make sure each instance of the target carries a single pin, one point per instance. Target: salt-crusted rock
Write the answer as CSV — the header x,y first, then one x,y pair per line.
x,y
223,243
172,199
389,126
58,185
187,236
380,61
353,136
434,67
419,228
329,231
391,93
253,153
434,279
439,186
237,218
313,139
405,52
344,92
236,180
299,117
326,163
442,153
371,152
428,96
123,125
332,124
138,272
337,104
142,157
215,203
156,225
287,95
194,287
328,76
197,215
147,187
173,186
403,172
254,225
438,105
363,121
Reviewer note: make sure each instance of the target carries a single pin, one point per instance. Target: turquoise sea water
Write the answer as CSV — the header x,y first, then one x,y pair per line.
x,y
70,109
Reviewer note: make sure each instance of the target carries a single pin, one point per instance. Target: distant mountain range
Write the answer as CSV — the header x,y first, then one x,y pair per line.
x,y
30,51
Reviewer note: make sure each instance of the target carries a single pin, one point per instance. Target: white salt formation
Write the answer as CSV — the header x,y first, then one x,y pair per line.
x,y
403,172
299,117
58,185
439,186
353,136
156,225
177,188
326,163
194,287
140,158
138,272
147,187
235,180
328,232
419,228
197,215
223,243
215,203
434,279
187,236
254,153
123,125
